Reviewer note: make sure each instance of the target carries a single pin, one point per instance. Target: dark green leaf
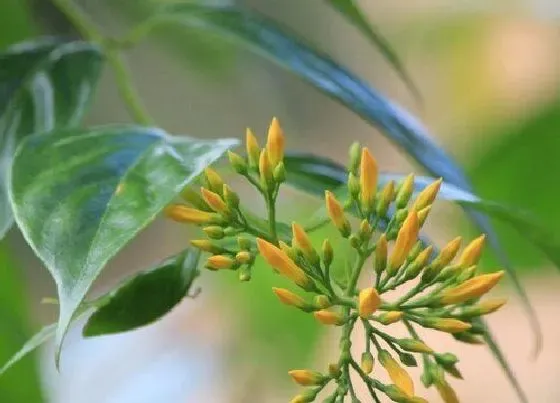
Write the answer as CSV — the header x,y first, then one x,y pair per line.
x,y
146,297
44,85
80,195
350,10
41,337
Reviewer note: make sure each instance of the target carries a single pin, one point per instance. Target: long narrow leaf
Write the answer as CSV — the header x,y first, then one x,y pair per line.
x,y
350,10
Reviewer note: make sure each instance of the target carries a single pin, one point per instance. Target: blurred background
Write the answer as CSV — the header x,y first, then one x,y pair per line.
x,y
489,73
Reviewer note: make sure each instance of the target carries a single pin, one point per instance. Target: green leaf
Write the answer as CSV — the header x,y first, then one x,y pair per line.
x,y
128,307
44,85
41,337
350,10
79,196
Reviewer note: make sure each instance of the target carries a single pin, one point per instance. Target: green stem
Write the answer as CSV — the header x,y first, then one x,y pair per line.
x,y
90,32
271,207
356,270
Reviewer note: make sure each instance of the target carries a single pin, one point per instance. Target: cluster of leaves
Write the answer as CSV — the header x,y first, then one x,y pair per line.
x,y
445,297
78,195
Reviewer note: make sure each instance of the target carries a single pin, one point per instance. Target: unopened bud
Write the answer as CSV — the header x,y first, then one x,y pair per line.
x,y
427,196
368,180
390,317
354,154
306,377
219,262
265,170
404,191
367,362
334,370
288,250
327,317
245,273
355,241
467,337
238,163
448,325
472,252
406,239
275,142
353,186
368,302
381,255
214,200
243,257
183,214
243,243
214,232
408,359
398,375
385,199
231,198
279,173
213,180
207,246
328,253
322,302
302,242
336,213
483,308
419,263
289,298
365,230
253,149
473,288
194,199
423,215
415,346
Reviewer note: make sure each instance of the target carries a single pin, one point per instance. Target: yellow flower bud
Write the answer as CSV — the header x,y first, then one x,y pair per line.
x,y
219,262
206,246
336,213
423,214
381,254
473,288
306,377
405,191
447,325
253,149
446,392
484,307
354,155
288,250
353,186
419,263
214,200
243,257
278,259
448,252
427,196
289,298
215,181
367,362
214,232
406,239
190,215
327,317
386,197
415,346
302,398
368,180
230,197
472,252
368,302
398,375
275,142
237,162
265,169
302,242
390,317
328,253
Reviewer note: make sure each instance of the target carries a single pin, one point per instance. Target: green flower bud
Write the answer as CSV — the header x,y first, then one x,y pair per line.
x,y
230,197
214,232
238,163
353,186
322,302
328,253
404,191
354,154
279,173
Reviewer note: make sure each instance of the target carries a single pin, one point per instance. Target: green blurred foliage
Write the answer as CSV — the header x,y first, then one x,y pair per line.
x,y
21,384
520,169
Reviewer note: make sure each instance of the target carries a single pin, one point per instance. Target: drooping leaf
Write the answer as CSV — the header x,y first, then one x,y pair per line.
x,y
352,12
80,195
146,297
41,337
310,173
44,85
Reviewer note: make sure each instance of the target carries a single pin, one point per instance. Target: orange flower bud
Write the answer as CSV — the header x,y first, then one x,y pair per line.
x,y
215,181
336,213
390,317
253,149
427,196
278,259
219,262
406,239
214,200
275,143
368,302
381,254
472,252
306,377
327,317
189,215
447,325
302,242
398,375
473,288
368,180
265,169
289,298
